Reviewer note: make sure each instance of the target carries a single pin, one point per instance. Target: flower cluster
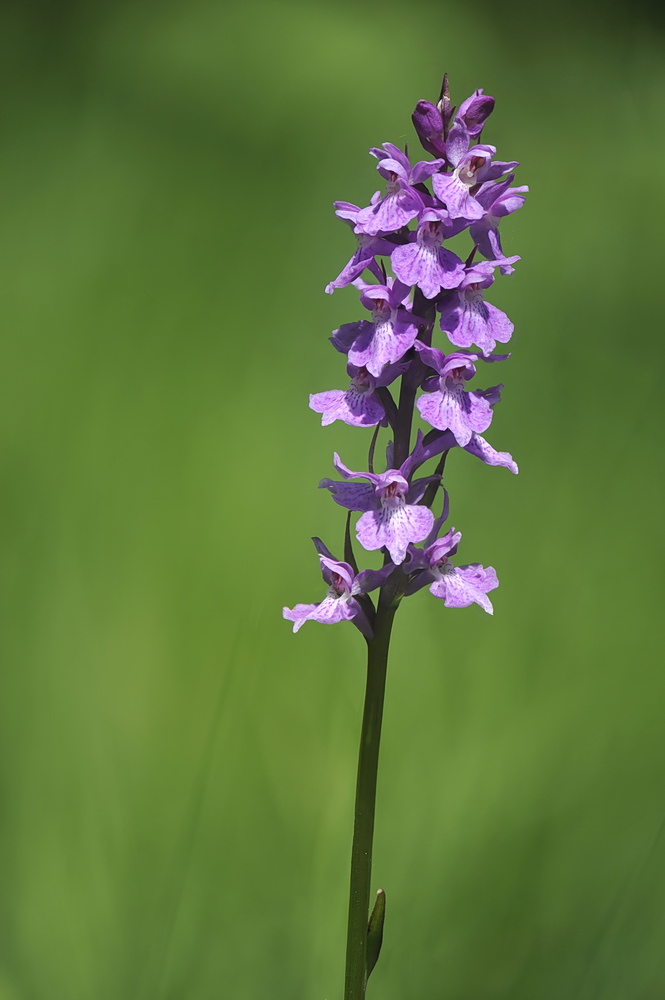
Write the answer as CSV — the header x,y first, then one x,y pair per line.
x,y
404,230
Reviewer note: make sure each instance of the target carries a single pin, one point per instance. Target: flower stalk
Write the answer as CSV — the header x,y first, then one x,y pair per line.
x,y
365,804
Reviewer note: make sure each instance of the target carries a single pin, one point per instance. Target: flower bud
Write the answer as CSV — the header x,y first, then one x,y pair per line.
x,y
428,124
475,111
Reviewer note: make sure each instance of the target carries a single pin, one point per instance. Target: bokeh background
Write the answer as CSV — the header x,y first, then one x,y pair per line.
x,y
176,768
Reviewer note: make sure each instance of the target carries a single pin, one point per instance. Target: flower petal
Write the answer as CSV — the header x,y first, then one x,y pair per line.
x,y
394,528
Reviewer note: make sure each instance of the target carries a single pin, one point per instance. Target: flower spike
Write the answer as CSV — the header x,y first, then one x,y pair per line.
x,y
407,275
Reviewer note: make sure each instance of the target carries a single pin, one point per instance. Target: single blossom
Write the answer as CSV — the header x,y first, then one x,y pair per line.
x,y
388,336
340,602
392,516
499,200
401,202
359,405
467,319
475,111
424,261
369,247
447,404
472,166
457,586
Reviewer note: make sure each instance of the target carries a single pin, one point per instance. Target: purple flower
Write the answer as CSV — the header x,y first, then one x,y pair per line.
x,y
428,123
389,335
424,262
401,202
392,517
340,602
358,405
457,586
467,319
447,405
499,200
473,165
367,249
475,111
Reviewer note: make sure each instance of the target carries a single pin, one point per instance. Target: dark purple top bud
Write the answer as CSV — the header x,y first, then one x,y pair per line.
x,y
475,111
428,124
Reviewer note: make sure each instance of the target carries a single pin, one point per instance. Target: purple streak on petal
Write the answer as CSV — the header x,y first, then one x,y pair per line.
x,y
353,496
394,528
467,319
391,213
465,585
460,412
483,450
355,406
330,611
457,143
429,267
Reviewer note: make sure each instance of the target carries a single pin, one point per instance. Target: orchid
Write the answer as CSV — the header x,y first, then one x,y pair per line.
x,y
404,230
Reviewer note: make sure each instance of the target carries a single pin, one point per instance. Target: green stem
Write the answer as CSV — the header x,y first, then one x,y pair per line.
x,y
368,762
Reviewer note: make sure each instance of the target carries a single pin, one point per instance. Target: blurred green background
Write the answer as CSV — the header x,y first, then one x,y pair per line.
x,y
176,768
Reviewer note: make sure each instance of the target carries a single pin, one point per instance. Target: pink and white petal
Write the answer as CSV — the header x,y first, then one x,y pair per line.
x,y
457,196
472,327
444,411
457,142
500,327
390,214
334,609
358,409
299,615
418,265
394,528
331,404
478,411
389,344
466,585
483,450
362,409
